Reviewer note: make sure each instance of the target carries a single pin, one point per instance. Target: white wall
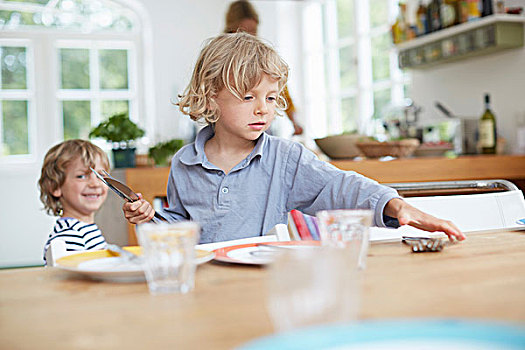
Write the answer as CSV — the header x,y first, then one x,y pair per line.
x,y
460,87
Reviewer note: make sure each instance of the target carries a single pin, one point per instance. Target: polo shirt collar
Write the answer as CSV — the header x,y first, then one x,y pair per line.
x,y
199,157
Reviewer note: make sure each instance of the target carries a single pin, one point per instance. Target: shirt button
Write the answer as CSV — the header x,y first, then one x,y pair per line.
x,y
225,190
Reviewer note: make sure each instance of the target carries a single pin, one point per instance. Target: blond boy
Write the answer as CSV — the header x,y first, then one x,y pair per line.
x,y
238,181
70,190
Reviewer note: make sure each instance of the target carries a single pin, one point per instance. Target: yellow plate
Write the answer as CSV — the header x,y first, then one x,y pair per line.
x,y
105,265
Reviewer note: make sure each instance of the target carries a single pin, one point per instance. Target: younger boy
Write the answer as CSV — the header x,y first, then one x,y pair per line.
x,y
236,180
69,189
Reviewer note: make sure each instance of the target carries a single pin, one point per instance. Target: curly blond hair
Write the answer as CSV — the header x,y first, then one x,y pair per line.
x,y
235,61
57,160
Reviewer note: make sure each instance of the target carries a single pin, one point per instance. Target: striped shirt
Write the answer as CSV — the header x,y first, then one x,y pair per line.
x,y
78,235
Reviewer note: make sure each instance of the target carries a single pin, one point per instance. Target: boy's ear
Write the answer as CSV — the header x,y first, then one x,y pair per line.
x,y
57,193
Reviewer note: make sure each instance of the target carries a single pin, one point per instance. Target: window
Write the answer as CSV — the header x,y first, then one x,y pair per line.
x,y
359,79
16,96
86,70
93,85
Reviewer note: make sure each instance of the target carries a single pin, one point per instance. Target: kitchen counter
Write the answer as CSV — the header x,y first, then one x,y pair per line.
x,y
477,167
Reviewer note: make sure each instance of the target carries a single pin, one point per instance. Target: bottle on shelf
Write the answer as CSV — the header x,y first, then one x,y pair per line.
x,y
487,129
399,28
434,15
473,10
499,7
395,32
449,13
486,8
462,11
421,19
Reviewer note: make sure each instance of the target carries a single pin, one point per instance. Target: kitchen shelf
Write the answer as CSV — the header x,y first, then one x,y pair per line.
x,y
484,36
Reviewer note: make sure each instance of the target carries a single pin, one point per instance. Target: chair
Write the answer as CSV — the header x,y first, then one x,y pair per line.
x,y
482,205
55,251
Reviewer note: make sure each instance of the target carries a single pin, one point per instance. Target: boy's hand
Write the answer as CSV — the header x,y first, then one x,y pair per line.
x,y
139,211
409,215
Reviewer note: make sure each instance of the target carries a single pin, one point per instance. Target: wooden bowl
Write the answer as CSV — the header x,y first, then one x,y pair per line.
x,y
340,146
400,149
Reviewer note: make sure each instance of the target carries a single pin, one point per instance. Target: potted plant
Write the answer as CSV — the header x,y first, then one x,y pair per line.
x,y
162,151
120,131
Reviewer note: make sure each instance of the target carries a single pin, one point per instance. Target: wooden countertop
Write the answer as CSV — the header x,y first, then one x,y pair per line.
x,y
46,308
479,167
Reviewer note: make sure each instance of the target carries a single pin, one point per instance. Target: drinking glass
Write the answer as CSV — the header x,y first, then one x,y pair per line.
x,y
169,252
312,286
346,228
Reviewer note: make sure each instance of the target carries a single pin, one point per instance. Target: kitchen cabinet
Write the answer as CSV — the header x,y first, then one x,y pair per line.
x,y
481,37
152,182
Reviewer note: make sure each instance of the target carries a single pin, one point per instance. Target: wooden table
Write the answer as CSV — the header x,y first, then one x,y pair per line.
x,y
481,278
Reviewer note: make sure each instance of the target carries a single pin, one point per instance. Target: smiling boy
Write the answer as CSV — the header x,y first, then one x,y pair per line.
x,y
69,189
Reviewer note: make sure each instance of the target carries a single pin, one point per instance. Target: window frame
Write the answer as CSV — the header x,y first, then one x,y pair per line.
x,y
28,95
95,95
45,125
360,40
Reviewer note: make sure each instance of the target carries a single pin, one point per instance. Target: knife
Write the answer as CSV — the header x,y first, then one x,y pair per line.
x,y
123,191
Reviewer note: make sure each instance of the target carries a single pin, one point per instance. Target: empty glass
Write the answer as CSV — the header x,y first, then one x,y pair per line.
x,y
346,228
312,286
169,252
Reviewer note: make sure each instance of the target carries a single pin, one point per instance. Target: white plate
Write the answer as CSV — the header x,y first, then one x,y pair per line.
x,y
400,334
103,265
258,253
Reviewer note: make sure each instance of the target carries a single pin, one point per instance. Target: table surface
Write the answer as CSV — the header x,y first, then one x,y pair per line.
x,y
481,278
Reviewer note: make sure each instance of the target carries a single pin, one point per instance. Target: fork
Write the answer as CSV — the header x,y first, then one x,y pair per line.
x,y
127,255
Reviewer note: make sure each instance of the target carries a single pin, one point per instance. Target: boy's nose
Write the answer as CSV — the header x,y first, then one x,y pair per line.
x,y
93,180
261,108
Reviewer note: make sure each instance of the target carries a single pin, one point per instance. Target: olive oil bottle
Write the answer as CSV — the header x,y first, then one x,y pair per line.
x,y
487,129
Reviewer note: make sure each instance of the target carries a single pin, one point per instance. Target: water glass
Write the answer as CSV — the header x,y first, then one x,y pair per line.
x,y
169,252
312,286
346,228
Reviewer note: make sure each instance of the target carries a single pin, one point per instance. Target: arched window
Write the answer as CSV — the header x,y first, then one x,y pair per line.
x,y
66,65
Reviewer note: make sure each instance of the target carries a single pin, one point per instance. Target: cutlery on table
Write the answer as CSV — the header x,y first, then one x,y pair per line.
x,y
127,255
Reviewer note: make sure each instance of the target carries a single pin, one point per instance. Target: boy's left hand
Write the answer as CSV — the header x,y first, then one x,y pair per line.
x,y
409,215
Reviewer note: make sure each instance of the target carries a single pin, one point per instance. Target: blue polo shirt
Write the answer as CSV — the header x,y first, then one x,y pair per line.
x,y
277,176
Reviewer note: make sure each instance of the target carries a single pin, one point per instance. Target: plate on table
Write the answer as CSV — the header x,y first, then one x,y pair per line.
x,y
104,265
427,334
259,253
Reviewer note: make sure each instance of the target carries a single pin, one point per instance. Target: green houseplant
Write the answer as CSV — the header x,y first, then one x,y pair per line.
x,y
162,151
121,132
